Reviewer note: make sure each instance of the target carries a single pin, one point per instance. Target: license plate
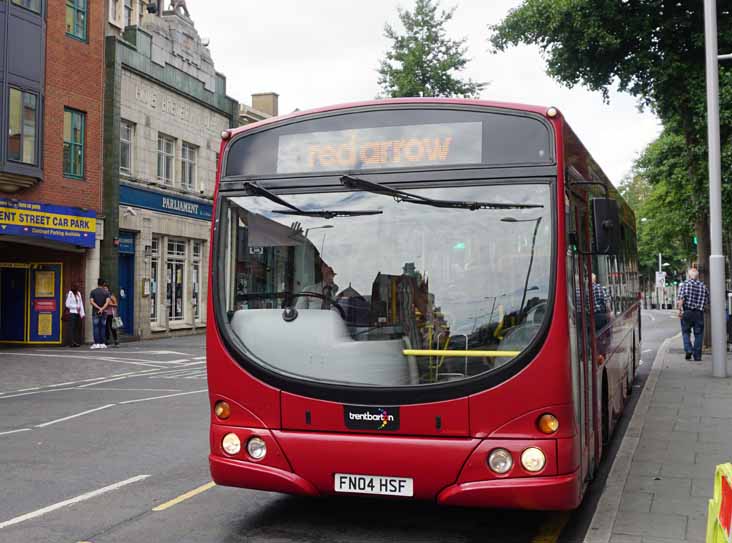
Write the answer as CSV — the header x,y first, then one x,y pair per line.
x,y
374,484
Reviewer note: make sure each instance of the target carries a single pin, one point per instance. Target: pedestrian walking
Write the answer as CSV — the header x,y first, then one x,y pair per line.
x,y
111,313
692,300
99,299
75,311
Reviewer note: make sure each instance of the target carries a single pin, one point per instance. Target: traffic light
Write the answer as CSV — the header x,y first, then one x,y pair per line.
x,y
693,240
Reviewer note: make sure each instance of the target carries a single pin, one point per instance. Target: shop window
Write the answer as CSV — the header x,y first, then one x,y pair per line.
x,y
33,5
166,158
175,279
127,13
154,280
126,145
196,278
76,18
74,143
188,166
23,114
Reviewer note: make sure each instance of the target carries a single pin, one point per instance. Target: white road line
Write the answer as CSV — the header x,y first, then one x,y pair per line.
x,y
15,431
166,396
74,416
71,501
8,396
140,389
105,381
199,358
647,351
27,389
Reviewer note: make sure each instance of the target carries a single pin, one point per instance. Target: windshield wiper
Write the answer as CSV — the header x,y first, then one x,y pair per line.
x,y
401,196
256,190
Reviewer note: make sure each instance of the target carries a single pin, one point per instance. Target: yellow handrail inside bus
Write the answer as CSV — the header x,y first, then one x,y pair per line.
x,y
439,352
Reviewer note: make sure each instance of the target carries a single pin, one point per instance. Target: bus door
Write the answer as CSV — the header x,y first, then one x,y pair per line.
x,y
583,352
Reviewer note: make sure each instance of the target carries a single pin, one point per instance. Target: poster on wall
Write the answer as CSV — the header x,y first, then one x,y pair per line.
x,y
45,284
45,324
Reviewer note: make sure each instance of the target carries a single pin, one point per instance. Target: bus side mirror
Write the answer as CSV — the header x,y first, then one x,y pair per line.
x,y
606,220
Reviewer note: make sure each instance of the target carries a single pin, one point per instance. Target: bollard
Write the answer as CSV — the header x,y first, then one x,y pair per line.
x,y
719,511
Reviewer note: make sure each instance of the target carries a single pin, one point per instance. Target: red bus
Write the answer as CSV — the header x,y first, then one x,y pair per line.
x,y
434,299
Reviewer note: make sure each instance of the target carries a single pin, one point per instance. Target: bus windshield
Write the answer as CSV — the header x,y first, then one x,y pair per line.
x,y
411,295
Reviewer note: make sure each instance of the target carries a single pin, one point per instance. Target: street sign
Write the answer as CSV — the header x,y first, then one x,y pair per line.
x,y
660,279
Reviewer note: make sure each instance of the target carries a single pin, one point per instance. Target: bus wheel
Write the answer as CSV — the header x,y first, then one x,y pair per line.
x,y
631,370
605,415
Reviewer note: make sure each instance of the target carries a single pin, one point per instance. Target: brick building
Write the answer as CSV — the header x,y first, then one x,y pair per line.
x,y
51,124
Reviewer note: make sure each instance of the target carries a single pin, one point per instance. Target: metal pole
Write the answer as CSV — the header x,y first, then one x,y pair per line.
x,y
716,259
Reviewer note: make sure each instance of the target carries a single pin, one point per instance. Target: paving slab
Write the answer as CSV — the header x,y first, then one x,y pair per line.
x,y
682,431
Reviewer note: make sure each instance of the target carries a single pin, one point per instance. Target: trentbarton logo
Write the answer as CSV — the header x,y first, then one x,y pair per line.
x,y
364,417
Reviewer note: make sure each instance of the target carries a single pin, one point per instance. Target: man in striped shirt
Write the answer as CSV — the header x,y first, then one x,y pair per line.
x,y
692,300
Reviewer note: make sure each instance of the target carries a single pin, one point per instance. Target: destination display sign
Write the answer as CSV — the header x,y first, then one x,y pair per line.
x,y
443,144
56,223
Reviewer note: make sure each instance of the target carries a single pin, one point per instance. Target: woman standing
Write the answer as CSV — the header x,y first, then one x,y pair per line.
x,y
111,313
75,306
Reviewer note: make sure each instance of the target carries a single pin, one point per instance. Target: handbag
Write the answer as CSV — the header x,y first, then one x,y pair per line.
x,y
67,315
117,323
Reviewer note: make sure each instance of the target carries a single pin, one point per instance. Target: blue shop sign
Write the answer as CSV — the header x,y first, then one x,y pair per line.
x,y
165,203
56,223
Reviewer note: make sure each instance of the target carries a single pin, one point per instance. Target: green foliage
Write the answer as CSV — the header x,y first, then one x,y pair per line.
x,y
421,62
653,49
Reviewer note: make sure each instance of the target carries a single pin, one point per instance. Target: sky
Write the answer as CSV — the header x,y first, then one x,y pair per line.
x,y
320,52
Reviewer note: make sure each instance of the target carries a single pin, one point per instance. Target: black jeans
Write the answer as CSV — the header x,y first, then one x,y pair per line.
x,y
693,319
74,329
111,332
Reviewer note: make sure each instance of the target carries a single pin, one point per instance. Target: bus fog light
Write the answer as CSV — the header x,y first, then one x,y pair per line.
x,y
222,410
257,448
532,459
231,443
500,460
548,423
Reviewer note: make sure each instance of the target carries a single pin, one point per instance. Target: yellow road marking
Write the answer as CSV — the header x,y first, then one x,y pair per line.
x,y
550,530
183,497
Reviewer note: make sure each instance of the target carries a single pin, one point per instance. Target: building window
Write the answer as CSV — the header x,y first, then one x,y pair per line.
x,y
128,13
166,158
175,279
140,11
74,143
76,18
188,166
22,126
196,278
113,6
33,5
126,144
154,280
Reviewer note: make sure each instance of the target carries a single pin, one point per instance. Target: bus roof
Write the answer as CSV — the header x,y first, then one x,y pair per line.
x,y
541,110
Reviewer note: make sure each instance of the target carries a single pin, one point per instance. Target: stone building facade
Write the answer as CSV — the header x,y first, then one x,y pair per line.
x,y
51,124
165,109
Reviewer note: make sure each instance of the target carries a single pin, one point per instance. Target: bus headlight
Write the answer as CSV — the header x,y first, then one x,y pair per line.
x,y
231,443
548,423
532,459
222,410
257,448
500,460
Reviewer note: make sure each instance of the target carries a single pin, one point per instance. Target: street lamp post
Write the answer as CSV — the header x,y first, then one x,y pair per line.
x,y
531,260
716,258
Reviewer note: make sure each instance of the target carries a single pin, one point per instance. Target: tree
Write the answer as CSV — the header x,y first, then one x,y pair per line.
x,y
422,61
653,49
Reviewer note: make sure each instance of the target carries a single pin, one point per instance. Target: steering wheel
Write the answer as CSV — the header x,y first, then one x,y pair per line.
x,y
321,297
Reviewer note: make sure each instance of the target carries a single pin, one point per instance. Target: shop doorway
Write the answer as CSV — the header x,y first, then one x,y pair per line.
x,y
13,291
126,281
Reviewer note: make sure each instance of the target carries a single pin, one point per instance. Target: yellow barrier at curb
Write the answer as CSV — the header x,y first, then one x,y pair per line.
x,y
719,512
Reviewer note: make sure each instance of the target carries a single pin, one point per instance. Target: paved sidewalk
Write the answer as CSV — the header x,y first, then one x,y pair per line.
x,y
663,475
